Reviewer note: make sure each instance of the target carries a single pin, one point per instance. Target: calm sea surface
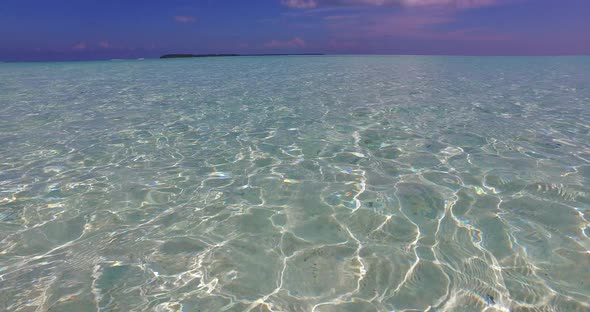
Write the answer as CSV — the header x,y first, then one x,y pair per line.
x,y
296,184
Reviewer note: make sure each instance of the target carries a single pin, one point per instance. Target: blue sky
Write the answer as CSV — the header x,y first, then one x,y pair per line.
x,y
103,29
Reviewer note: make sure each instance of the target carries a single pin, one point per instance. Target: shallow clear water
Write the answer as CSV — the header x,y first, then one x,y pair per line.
x,y
296,184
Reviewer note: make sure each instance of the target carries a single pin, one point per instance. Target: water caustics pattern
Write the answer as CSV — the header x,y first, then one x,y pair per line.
x,y
332,183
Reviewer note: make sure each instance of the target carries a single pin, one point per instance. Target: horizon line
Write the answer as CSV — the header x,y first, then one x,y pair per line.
x,y
213,55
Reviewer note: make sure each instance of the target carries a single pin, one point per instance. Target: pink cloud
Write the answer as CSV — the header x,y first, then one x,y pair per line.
x,y
463,4
343,44
338,17
300,4
105,44
185,19
79,46
409,24
471,35
397,24
459,4
293,43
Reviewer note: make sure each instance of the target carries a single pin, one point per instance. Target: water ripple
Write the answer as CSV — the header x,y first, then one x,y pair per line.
x,y
296,184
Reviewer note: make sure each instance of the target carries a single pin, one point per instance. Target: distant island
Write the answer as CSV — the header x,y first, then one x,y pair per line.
x,y
166,56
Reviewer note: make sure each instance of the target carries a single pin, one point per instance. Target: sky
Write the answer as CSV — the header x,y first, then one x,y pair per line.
x,y
38,30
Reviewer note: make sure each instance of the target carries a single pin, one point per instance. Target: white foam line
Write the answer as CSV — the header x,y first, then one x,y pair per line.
x,y
495,264
29,259
413,245
535,270
478,245
380,227
448,208
263,300
361,275
363,186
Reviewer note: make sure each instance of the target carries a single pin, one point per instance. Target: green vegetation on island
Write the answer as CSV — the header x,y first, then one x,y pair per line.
x,y
220,55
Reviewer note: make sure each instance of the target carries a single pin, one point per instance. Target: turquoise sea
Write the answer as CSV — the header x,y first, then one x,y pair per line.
x,y
296,183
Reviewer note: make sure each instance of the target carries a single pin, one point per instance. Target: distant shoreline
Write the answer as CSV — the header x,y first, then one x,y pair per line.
x,y
181,55
166,56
